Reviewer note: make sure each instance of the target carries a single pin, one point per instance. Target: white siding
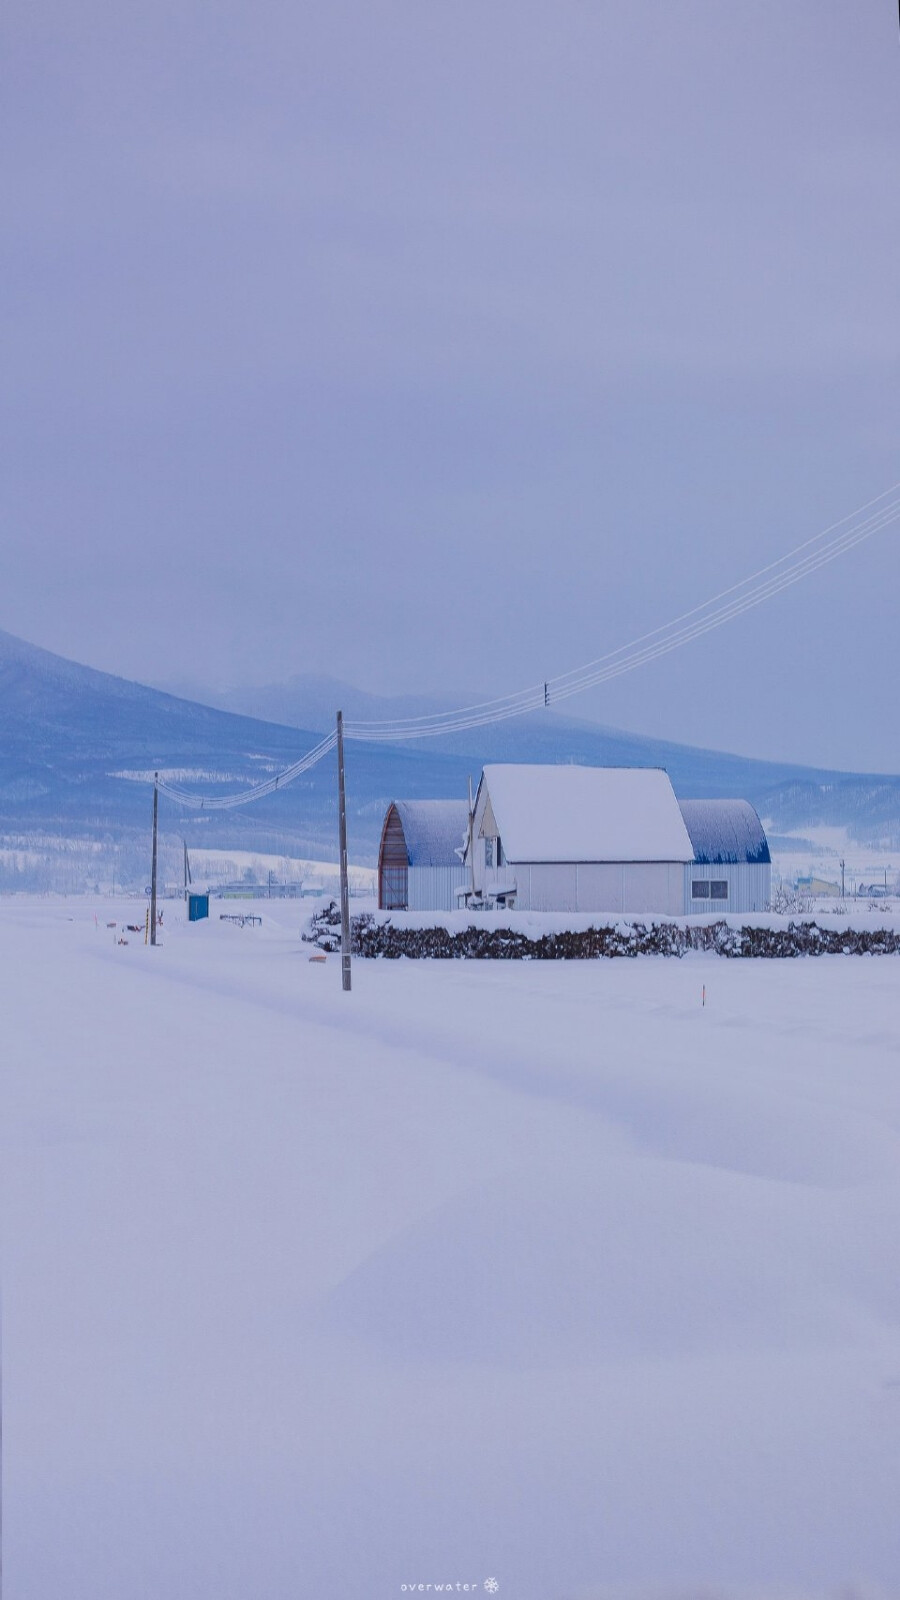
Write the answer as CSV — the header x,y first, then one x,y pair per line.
x,y
629,887
433,888
749,887
552,886
601,886
676,889
647,887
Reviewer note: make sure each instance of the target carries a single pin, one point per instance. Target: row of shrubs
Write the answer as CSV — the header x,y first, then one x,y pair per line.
x,y
373,938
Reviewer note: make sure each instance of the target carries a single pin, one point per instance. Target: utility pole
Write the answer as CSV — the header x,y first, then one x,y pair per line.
x,y
842,881
153,860
471,841
342,837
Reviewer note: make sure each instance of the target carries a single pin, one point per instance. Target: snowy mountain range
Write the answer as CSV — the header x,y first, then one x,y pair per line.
x,y
78,749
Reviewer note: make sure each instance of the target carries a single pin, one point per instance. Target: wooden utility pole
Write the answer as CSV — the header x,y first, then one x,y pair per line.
x,y
342,834
471,841
153,860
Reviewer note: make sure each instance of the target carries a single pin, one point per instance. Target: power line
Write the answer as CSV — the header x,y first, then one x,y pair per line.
x,y
258,791
772,566
713,613
754,590
587,678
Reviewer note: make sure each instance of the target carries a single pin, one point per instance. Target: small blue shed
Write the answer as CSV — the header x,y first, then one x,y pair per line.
x,y
198,907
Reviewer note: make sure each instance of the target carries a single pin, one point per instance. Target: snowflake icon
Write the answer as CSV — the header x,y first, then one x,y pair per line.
x,y
491,1585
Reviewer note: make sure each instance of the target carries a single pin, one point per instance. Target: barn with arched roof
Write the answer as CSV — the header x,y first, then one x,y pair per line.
x,y
419,859
732,867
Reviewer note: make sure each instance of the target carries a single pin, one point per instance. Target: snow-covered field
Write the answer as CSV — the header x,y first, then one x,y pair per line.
x,y
214,867
864,864
545,1273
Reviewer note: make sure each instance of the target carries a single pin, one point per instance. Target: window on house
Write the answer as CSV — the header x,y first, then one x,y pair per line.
x,y
699,891
489,852
718,889
501,859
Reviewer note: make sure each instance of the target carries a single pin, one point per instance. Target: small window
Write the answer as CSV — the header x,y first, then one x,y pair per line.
x,y
489,852
718,889
699,891
501,859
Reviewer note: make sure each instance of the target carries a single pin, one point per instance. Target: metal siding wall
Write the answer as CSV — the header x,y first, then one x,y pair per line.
x,y
749,887
600,886
610,886
762,878
676,889
432,888
553,886
646,886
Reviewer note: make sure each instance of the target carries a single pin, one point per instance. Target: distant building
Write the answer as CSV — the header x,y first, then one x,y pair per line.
x,y
731,869
420,855
821,888
262,891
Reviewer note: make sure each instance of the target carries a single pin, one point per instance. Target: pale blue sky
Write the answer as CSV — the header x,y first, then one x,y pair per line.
x,y
447,345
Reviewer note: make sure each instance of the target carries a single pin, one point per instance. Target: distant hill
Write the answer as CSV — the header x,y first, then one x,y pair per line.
x,y
75,743
310,700
790,795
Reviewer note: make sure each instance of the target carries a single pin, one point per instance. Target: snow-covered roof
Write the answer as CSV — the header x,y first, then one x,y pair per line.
x,y
568,813
725,831
434,830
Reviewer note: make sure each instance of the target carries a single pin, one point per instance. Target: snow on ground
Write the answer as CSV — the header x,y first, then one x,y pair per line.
x,y
546,1273
873,916
214,867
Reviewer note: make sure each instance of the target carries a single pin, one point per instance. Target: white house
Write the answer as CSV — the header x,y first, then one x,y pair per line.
x,y
567,838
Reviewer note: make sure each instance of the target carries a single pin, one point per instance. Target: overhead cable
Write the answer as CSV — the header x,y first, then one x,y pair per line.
x,y
227,802
721,608
713,613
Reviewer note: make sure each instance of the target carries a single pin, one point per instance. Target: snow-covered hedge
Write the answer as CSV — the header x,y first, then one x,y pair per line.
x,y
374,937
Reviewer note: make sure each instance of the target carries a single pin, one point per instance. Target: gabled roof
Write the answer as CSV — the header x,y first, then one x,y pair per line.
x,y
568,813
725,831
434,830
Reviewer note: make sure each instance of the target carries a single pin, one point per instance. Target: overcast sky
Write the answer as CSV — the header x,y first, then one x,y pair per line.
x,y
444,345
